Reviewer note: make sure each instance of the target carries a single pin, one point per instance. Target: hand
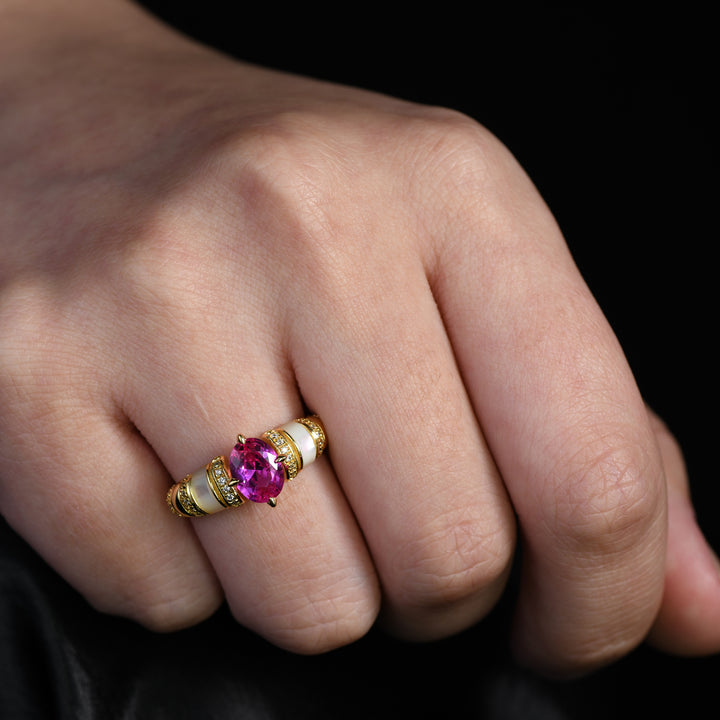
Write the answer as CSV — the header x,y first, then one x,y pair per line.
x,y
193,248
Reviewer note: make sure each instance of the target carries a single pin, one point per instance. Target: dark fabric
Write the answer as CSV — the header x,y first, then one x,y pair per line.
x,y
61,660
610,113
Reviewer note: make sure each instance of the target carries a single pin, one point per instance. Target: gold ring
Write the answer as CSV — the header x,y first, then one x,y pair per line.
x,y
256,470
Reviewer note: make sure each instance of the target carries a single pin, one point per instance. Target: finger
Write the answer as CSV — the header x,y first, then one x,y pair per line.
x,y
565,423
406,445
689,619
80,484
298,574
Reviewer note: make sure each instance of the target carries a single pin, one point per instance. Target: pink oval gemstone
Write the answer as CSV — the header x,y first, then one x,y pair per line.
x,y
255,466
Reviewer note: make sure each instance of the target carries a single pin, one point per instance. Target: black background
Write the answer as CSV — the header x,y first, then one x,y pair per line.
x,y
611,112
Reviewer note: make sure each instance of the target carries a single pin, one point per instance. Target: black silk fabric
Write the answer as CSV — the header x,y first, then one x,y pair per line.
x,y
610,114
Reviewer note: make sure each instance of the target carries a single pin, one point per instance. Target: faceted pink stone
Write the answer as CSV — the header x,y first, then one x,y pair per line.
x,y
255,466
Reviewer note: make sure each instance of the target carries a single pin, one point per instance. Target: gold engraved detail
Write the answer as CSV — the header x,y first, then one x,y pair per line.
x,y
317,431
181,500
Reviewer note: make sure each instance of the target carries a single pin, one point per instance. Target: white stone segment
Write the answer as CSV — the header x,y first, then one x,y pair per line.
x,y
203,494
303,439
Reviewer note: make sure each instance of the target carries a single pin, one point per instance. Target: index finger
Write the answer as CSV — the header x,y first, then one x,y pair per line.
x,y
564,420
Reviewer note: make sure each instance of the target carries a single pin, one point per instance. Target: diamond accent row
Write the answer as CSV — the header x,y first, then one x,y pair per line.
x,y
186,500
279,441
220,480
169,498
317,431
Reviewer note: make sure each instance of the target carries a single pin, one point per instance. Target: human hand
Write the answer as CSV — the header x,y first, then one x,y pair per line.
x,y
194,248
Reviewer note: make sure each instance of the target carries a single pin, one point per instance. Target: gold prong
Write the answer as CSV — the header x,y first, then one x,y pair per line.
x,y
281,458
272,502
241,439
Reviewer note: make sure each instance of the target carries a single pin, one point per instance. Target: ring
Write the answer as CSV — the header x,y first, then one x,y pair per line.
x,y
256,469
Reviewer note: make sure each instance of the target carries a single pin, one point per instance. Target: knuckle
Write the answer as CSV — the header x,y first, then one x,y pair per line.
x,y
620,623
293,193
284,163
124,570
612,635
327,627
610,497
457,143
162,614
598,650
452,562
313,617
161,602
466,159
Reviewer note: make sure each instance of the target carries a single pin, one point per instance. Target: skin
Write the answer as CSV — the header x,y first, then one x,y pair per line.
x,y
193,247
